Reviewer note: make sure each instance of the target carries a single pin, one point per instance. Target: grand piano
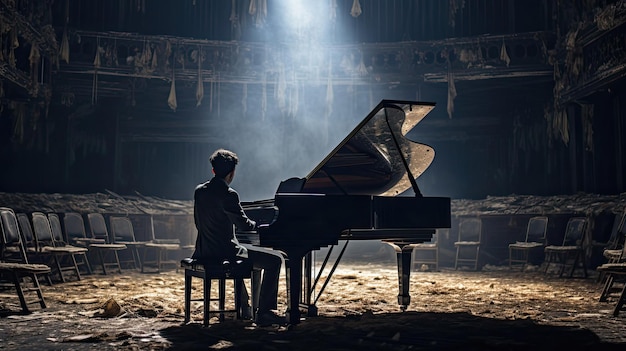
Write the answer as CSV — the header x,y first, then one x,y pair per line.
x,y
365,189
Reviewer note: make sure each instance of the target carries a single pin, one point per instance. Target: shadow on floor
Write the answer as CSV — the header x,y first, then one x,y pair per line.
x,y
390,331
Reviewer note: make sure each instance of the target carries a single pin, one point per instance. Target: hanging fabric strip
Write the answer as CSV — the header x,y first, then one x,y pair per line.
x,y
451,91
96,65
64,51
171,99
200,86
356,9
504,56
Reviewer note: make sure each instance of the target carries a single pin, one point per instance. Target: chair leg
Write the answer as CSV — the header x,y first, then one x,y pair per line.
x,y
188,278
476,258
57,262
75,267
608,284
20,292
117,261
620,302
37,288
207,300
101,257
456,260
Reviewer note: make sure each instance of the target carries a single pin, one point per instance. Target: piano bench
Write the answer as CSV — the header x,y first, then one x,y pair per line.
x,y
237,271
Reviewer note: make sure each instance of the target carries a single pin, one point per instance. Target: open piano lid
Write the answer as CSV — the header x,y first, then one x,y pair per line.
x,y
368,160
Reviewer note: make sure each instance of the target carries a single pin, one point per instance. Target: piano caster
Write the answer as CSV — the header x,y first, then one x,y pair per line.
x,y
403,308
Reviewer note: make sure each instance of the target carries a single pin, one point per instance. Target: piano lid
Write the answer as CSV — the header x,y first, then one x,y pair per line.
x,y
374,157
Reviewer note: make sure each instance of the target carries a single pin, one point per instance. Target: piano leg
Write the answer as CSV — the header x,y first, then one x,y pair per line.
x,y
311,309
293,270
404,254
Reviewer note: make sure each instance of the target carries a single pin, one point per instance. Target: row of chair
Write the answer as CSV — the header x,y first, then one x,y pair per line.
x,y
15,269
53,246
570,254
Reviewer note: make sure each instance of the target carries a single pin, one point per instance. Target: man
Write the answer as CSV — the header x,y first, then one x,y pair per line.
x,y
216,210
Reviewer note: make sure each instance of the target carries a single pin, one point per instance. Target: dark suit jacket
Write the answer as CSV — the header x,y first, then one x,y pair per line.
x,y
216,210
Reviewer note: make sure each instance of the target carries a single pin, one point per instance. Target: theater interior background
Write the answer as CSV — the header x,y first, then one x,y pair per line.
x,y
132,96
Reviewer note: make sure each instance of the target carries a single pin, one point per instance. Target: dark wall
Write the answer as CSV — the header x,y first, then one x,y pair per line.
x,y
380,21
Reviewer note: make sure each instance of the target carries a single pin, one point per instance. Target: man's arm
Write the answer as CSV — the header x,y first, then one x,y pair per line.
x,y
235,212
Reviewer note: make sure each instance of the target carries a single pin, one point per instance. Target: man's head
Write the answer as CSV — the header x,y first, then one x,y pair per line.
x,y
223,163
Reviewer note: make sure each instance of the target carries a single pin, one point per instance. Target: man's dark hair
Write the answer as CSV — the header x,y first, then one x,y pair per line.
x,y
223,162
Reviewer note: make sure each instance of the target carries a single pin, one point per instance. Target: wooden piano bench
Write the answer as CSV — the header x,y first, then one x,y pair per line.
x,y
237,271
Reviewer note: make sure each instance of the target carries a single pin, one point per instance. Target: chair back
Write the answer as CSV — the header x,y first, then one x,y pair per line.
x,y
42,230
616,240
536,229
575,231
10,230
57,231
621,235
11,237
98,226
74,226
470,229
26,230
122,229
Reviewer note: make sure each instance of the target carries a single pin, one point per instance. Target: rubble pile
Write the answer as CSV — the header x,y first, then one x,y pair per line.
x,y
110,202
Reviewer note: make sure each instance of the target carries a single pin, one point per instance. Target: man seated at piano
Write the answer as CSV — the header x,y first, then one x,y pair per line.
x,y
217,210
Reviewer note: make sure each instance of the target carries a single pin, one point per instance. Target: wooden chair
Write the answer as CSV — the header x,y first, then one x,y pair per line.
x,y
535,239
14,266
571,252
219,272
468,243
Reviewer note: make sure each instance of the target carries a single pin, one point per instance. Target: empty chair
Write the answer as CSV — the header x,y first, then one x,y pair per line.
x,y
613,249
14,266
427,253
60,241
31,247
122,233
468,243
75,232
64,257
571,252
161,248
535,239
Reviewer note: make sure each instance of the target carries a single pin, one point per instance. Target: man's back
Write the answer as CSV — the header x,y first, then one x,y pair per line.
x,y
216,209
